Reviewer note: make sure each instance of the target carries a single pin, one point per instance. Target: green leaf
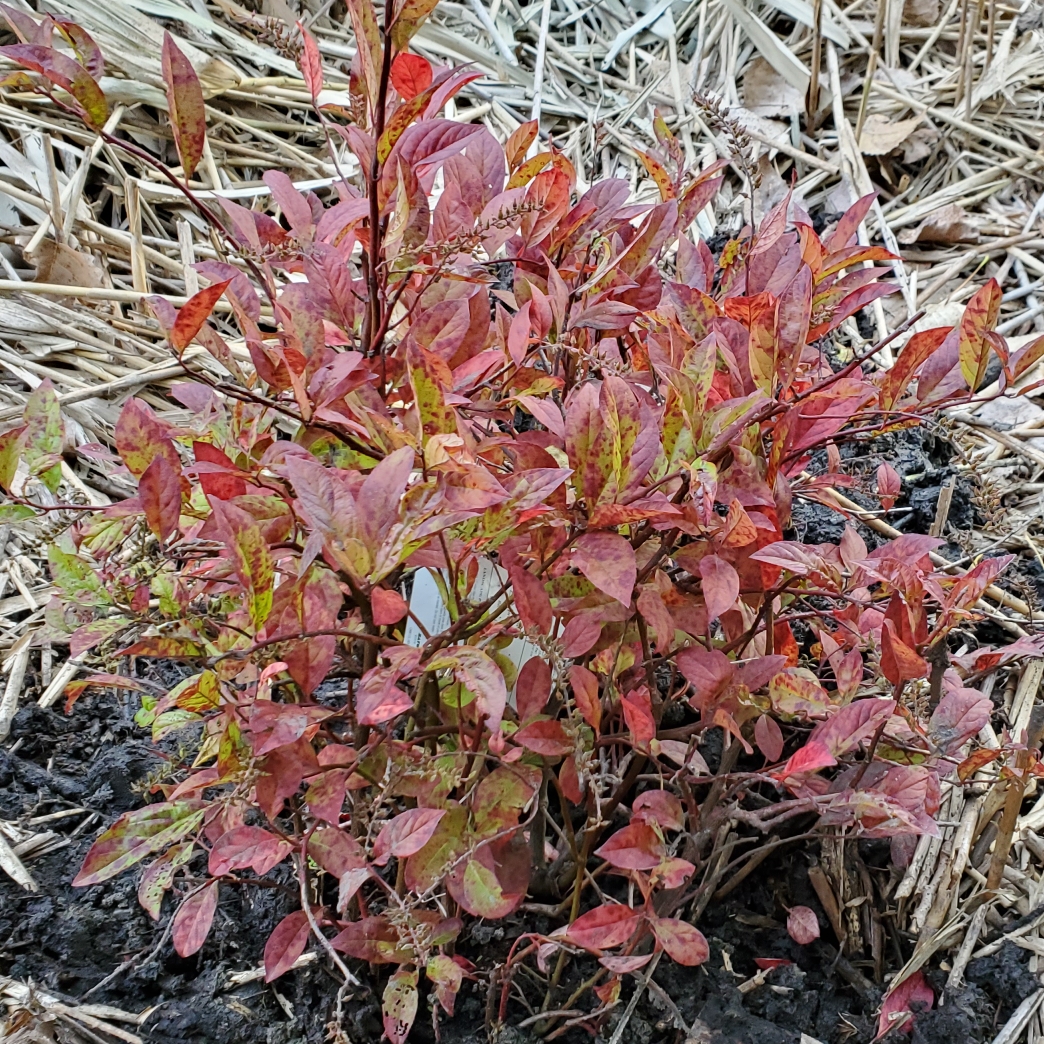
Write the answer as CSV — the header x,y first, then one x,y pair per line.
x,y
159,876
135,835
76,579
501,796
12,444
44,433
63,72
436,417
444,847
980,316
170,721
10,513
368,41
478,672
399,1007
411,17
250,558
481,893
141,436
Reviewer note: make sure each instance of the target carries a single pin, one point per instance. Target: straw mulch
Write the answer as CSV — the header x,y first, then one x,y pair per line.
x,y
935,104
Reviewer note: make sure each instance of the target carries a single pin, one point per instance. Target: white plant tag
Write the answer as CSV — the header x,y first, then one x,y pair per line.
x,y
428,608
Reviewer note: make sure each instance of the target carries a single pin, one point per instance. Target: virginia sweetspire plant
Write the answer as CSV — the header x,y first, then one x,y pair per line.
x,y
617,440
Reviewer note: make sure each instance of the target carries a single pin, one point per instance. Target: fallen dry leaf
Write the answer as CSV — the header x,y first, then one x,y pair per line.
x,y
766,93
949,224
61,264
921,12
880,136
920,145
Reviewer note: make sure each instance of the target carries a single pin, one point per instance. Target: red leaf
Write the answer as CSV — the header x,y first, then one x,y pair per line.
x,y
410,74
768,963
286,943
889,485
852,725
898,661
810,758
531,599
653,610
533,687
65,73
636,847
569,781
311,63
225,485
980,759
26,28
682,941
899,1004
768,737
580,635
803,925
194,313
637,712
406,834
247,846
659,806
602,928
546,411
274,725
193,920
378,697
188,113
389,607
350,883
625,965
607,560
372,939
336,851
475,670
917,350
585,694
848,226
519,141
160,491
545,737
720,585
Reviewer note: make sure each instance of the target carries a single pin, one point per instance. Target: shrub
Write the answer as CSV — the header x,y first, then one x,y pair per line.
x,y
582,483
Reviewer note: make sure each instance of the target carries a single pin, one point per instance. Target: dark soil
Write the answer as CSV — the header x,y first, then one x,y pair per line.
x,y
68,940
923,460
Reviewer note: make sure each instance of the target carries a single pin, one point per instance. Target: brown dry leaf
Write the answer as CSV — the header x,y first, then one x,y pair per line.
x,y
278,9
949,224
880,136
921,12
61,264
772,190
920,145
766,93
766,130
